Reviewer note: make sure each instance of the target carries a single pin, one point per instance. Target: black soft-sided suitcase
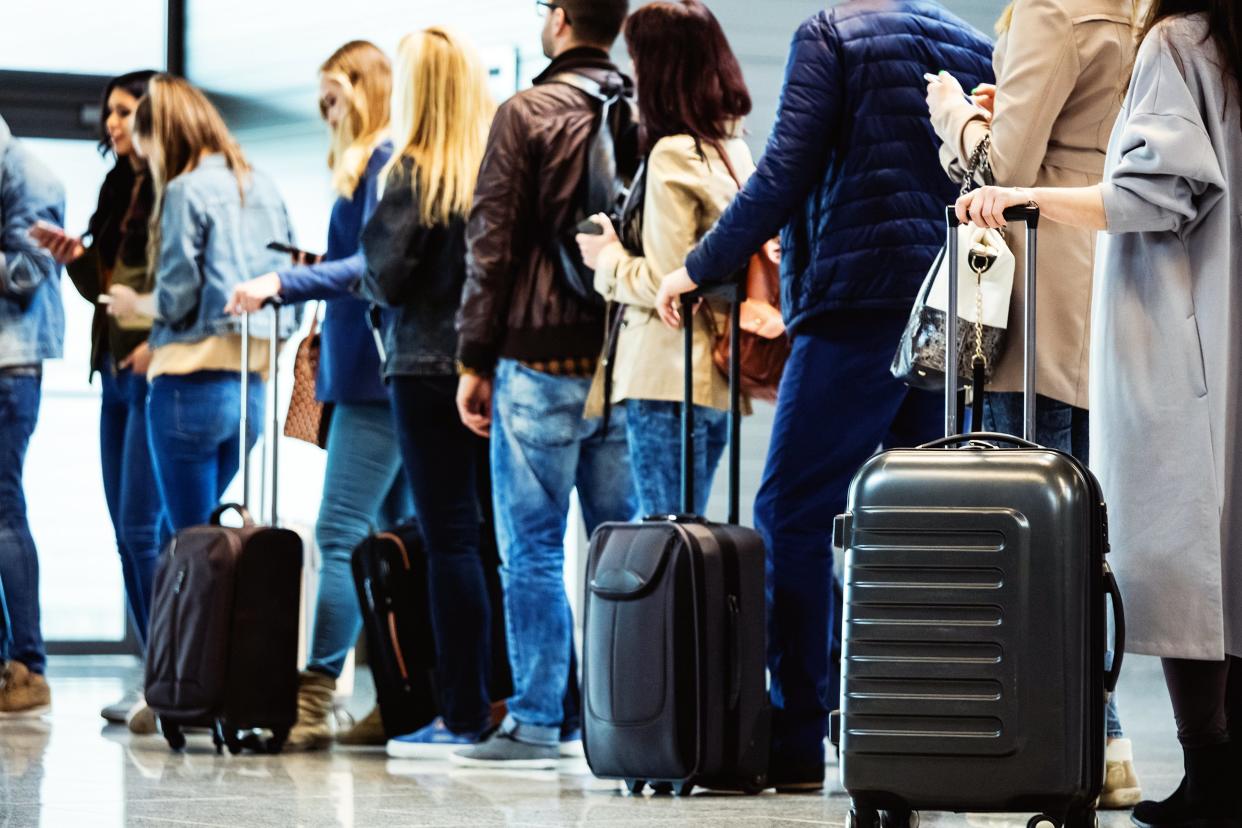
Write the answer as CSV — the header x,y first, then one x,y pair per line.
x,y
222,651
975,621
674,685
390,574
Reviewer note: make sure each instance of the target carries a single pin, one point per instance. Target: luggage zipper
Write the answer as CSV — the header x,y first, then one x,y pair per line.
x,y
392,616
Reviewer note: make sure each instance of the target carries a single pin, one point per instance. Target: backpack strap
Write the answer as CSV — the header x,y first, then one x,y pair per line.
x,y
584,84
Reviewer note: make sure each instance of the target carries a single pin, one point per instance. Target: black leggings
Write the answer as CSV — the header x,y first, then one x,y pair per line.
x,y
1207,699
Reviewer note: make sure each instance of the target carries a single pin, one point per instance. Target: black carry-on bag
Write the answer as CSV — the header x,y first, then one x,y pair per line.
x,y
674,685
223,647
976,619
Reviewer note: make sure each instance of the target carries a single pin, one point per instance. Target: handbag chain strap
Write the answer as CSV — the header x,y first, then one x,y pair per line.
x,y
979,163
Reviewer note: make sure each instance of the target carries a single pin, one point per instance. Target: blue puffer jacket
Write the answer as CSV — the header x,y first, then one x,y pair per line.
x,y
851,171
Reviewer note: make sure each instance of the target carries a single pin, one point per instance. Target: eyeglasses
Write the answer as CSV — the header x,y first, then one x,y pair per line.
x,y
543,9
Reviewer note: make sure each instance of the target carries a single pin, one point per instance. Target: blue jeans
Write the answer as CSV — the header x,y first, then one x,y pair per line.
x,y
133,496
363,490
195,427
838,403
1059,426
541,449
19,562
653,430
441,459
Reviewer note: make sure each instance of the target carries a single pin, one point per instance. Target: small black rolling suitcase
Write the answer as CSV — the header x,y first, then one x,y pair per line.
x,y
975,621
223,648
390,574
674,686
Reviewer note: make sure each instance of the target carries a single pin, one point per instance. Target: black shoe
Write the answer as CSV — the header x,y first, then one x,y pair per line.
x,y
792,779
1205,799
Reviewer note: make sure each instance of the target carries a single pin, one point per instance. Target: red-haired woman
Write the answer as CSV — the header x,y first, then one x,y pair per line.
x,y
691,101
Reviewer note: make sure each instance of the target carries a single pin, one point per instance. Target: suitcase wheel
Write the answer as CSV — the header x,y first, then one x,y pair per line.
x,y
1043,821
685,789
863,818
661,788
276,743
636,786
899,818
173,735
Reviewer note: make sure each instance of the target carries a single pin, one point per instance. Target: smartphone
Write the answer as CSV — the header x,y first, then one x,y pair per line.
x,y
104,299
284,248
590,228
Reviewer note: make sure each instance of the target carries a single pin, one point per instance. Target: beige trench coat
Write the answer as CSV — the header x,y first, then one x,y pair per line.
x,y
1061,74
1166,429
686,193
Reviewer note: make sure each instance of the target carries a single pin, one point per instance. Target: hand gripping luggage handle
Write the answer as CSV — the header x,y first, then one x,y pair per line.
x,y
732,292
273,440
1119,629
1028,215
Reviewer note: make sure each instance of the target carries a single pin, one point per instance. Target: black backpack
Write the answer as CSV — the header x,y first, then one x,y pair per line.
x,y
604,185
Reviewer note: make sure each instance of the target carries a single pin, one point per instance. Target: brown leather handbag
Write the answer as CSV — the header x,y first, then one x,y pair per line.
x,y
763,345
308,418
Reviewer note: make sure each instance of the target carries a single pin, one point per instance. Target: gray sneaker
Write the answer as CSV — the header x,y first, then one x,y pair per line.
x,y
504,751
118,712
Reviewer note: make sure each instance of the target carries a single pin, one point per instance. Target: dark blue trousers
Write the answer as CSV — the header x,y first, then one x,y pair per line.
x,y
838,404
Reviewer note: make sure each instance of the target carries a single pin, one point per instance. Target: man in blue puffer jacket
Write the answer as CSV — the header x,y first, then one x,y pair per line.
x,y
852,180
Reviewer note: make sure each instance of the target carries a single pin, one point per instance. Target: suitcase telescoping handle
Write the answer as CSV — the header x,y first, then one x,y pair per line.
x,y
273,441
1029,215
733,293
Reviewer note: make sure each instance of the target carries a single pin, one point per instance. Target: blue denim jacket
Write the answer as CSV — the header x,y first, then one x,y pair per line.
x,y
32,318
211,240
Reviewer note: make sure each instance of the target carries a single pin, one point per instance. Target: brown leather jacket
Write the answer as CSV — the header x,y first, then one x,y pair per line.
x,y
513,305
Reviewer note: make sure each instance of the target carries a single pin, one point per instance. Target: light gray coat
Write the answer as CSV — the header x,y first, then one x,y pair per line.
x,y
1166,378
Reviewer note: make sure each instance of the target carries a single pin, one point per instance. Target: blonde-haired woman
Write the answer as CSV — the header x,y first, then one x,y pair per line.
x,y
363,486
415,248
1061,69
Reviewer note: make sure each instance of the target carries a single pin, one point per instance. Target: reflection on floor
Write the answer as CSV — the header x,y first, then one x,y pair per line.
x,y
68,769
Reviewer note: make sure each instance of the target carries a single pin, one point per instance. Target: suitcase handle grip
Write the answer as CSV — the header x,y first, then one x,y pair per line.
x,y
978,437
225,508
1119,626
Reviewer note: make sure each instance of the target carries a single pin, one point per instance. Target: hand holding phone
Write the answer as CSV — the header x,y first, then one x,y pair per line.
x,y
63,247
590,227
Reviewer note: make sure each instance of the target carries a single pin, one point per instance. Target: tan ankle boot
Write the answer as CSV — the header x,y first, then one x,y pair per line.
x,y
369,732
23,693
313,730
1121,784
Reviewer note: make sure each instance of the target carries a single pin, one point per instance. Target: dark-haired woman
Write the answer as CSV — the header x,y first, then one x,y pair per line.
x,y
115,253
691,103
1167,398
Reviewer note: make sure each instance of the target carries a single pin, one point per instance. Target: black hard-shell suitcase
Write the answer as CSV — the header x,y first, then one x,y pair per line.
x,y
390,574
975,621
674,685
223,647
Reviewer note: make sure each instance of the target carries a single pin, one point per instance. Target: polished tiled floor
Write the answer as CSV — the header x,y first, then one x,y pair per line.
x,y
68,769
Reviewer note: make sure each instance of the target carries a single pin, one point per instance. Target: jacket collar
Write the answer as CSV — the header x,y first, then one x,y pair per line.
x,y
588,60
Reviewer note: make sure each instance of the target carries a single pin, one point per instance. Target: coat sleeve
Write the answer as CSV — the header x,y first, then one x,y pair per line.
x,y
671,212
496,225
179,278
1167,172
28,194
1041,69
792,163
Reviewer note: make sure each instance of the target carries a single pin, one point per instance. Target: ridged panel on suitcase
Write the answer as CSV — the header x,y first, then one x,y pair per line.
x,y
674,685
975,625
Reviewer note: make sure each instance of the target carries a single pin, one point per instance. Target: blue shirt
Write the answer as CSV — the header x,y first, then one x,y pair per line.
x,y
349,366
32,319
